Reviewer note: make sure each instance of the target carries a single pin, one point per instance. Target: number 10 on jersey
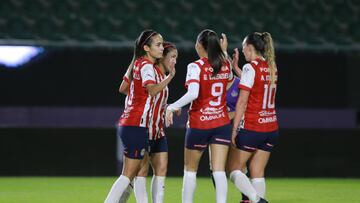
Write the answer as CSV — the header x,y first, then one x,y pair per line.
x,y
269,96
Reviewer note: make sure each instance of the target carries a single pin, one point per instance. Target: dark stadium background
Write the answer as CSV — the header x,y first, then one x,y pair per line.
x,y
58,112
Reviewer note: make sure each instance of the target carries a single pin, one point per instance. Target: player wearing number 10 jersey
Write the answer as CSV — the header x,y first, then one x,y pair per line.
x,y
256,136
260,114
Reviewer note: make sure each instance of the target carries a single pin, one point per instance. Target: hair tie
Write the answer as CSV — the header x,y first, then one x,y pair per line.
x,y
168,45
147,39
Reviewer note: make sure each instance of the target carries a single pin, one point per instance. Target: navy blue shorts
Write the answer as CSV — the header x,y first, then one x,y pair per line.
x,y
159,145
135,141
199,139
251,141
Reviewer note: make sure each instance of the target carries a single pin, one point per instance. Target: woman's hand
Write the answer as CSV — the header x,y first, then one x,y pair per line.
x,y
169,115
171,68
168,118
224,43
178,112
235,62
233,136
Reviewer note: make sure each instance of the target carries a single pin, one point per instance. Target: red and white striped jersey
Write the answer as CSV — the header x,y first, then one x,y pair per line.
x,y
209,109
139,102
260,114
156,125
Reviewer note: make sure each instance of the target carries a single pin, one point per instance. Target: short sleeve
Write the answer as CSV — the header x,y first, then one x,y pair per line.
x,y
247,77
193,74
148,74
126,79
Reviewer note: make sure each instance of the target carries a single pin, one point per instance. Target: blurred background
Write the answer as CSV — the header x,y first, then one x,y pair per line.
x,y
63,61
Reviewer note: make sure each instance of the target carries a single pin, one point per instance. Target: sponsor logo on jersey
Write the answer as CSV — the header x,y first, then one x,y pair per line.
x,y
125,115
267,119
211,110
264,69
210,69
267,113
211,117
220,76
126,112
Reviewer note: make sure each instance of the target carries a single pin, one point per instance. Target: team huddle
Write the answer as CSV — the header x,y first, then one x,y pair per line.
x,y
232,113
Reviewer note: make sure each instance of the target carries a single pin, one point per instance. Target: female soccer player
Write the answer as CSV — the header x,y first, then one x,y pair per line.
x,y
135,119
208,122
232,96
255,109
232,87
158,143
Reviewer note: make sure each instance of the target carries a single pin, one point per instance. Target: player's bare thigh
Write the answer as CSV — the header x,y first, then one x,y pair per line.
x,y
131,167
218,156
237,159
159,163
191,159
258,163
143,172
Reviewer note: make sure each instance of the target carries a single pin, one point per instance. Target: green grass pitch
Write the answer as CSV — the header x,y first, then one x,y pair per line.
x,y
94,189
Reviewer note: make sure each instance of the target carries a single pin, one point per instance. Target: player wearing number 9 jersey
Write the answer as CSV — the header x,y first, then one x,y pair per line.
x,y
255,130
208,122
209,109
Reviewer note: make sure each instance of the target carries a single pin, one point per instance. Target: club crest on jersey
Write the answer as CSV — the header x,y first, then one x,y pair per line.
x,y
234,93
142,152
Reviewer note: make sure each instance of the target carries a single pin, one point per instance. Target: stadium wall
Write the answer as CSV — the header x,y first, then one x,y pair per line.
x,y
92,152
82,77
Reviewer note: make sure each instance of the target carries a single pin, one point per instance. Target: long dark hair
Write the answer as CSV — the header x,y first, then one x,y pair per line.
x,y
211,43
264,45
145,38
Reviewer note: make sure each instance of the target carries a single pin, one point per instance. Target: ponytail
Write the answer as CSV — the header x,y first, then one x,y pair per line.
x,y
269,55
211,43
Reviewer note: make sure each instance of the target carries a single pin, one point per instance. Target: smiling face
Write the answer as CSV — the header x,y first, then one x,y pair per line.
x,y
169,60
155,50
